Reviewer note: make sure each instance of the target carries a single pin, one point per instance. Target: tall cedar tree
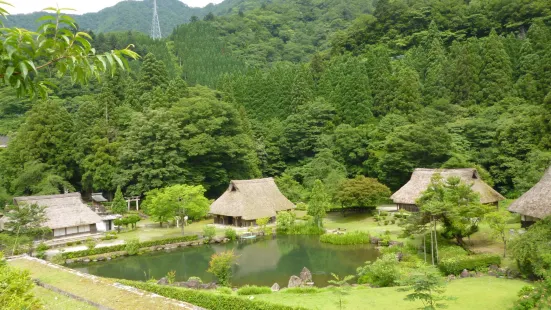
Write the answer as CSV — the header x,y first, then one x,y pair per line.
x,y
119,205
497,73
319,203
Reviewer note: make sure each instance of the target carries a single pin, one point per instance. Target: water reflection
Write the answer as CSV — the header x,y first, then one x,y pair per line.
x,y
259,262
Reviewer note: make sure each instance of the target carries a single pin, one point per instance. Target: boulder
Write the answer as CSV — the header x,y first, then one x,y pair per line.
x,y
275,287
305,275
451,277
162,281
86,260
464,274
69,261
294,281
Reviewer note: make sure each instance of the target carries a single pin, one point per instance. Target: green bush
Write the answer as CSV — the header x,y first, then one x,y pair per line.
x,y
121,247
224,290
301,206
301,290
42,247
91,243
451,251
207,300
455,265
254,290
132,247
70,244
58,259
383,272
209,232
230,233
356,237
536,297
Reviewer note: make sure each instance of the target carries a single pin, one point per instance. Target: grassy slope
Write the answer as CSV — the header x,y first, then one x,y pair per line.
x,y
54,301
100,291
360,222
472,293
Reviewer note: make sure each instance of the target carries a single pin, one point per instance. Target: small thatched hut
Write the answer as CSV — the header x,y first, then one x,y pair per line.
x,y
406,196
245,201
535,204
66,213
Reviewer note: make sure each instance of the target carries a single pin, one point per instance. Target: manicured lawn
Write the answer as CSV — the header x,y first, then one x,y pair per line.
x,y
147,230
54,301
472,293
360,222
99,290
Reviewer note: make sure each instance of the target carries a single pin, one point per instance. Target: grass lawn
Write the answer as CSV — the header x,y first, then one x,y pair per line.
x,y
98,290
472,293
360,222
54,301
147,230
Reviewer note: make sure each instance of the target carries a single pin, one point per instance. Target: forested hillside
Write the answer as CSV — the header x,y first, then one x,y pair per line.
x,y
302,91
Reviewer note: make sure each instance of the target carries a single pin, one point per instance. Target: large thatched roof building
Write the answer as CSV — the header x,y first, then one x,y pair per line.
x,y
245,201
67,214
535,204
407,196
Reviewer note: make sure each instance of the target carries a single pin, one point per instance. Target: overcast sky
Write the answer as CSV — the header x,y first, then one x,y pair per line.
x,y
81,6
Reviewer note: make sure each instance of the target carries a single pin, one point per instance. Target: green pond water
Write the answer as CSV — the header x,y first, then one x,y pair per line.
x,y
259,262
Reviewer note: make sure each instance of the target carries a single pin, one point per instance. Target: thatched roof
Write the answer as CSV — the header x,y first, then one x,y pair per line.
x,y
64,210
251,200
537,201
421,177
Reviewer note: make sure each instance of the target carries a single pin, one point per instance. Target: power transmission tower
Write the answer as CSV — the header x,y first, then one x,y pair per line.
x,y
155,26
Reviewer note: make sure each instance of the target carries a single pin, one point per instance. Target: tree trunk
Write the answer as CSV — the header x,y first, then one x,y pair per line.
x,y
425,245
436,241
431,247
504,247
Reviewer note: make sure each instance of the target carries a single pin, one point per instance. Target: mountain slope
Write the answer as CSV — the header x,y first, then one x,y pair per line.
x,y
126,15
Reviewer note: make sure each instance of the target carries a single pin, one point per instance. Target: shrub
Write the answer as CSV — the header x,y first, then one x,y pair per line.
x,y
268,231
305,229
285,221
537,297
301,206
91,243
196,279
356,237
224,290
121,247
455,265
386,222
171,276
206,299
132,247
220,266
78,242
254,290
70,244
301,290
58,259
230,233
42,247
392,221
383,272
209,232
451,251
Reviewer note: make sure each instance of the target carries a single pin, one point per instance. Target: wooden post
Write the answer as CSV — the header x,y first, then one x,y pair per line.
x,y
128,201
137,204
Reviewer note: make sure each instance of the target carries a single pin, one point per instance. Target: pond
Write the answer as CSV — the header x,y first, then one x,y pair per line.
x,y
259,262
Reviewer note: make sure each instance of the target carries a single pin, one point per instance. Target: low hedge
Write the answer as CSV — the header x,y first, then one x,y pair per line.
x,y
456,265
348,238
207,299
121,247
253,290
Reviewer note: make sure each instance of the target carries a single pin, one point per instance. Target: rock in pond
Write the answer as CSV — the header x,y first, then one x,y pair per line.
x,y
305,275
275,287
294,281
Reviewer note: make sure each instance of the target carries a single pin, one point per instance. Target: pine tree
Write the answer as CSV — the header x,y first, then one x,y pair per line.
x,y
319,203
119,206
497,73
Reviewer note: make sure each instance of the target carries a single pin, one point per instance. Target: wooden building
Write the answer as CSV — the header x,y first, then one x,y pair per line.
x,y
535,204
407,196
245,201
67,214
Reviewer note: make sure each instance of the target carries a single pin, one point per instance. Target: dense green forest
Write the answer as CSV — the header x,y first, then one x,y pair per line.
x,y
300,90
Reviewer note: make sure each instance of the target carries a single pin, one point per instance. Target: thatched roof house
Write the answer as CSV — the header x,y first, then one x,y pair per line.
x,y
67,214
407,196
535,204
248,200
